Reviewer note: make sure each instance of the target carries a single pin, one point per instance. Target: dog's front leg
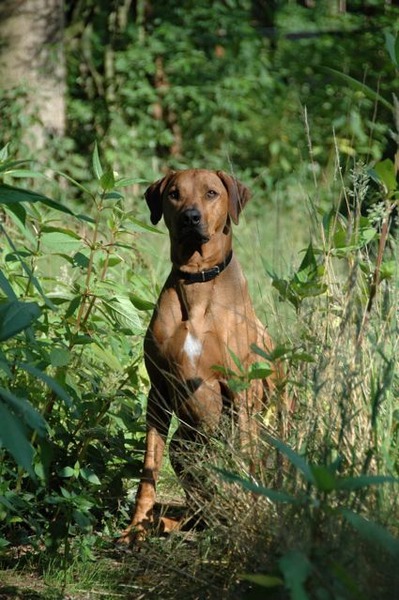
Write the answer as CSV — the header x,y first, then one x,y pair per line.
x,y
158,421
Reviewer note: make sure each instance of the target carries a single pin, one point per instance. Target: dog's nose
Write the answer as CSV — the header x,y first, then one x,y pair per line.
x,y
191,217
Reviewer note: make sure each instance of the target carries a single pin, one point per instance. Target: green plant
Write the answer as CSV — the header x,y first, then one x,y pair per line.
x,y
324,501
71,381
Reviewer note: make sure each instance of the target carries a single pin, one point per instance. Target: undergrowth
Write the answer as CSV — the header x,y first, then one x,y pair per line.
x,y
319,520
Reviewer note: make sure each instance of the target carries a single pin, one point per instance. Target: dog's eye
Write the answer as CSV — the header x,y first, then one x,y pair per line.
x,y
211,194
173,195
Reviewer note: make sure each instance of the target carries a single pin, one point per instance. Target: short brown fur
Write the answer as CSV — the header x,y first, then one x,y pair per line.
x,y
196,326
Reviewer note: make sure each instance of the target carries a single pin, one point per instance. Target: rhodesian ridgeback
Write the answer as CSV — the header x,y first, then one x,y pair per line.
x,y
204,319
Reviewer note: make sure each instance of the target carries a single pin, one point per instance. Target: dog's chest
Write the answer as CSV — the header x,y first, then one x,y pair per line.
x,y
198,327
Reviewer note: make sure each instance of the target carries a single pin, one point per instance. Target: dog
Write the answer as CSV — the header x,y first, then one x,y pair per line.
x,y
203,323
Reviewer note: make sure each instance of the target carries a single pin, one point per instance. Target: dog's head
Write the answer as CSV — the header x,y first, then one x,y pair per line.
x,y
196,203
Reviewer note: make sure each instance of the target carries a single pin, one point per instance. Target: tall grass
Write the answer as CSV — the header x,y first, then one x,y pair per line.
x,y
332,532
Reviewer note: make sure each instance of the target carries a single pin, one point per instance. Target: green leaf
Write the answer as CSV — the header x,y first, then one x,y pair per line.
x,y
10,195
113,196
61,241
247,484
4,152
75,183
60,357
384,173
124,313
325,480
141,303
357,483
52,383
25,411
97,168
388,269
125,181
357,85
373,532
24,173
6,287
13,437
107,181
296,568
137,225
391,44
237,362
296,459
66,472
89,476
308,269
266,581
15,316
259,371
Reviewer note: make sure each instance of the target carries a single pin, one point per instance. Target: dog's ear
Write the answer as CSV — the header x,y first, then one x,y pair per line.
x,y
153,196
238,194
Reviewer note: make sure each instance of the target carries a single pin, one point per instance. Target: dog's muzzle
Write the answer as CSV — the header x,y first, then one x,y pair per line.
x,y
190,226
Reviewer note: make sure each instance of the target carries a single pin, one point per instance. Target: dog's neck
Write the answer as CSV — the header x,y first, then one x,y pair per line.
x,y
201,257
207,274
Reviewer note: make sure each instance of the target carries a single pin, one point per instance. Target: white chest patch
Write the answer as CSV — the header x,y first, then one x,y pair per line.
x,y
192,348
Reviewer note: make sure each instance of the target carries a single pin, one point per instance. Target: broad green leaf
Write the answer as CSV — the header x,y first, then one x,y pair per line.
x,y
60,357
15,316
107,181
82,520
61,242
141,303
113,196
66,472
247,484
296,459
384,173
10,194
97,168
259,371
24,410
14,438
89,476
373,532
296,568
124,313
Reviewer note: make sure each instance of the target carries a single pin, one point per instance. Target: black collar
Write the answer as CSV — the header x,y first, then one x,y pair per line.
x,y
207,274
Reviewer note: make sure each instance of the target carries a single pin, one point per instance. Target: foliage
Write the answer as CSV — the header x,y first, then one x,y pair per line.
x,y
342,368
71,379
176,84
298,101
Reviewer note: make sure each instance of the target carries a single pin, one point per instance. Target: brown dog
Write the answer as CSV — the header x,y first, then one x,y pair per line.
x,y
203,318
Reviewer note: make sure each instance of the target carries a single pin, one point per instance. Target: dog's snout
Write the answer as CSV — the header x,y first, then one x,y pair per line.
x,y
191,217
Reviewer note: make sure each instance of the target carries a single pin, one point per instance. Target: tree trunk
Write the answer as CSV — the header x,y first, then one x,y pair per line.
x,y
31,55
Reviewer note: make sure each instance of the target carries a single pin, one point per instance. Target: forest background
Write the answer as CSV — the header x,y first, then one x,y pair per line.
x,y
296,99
